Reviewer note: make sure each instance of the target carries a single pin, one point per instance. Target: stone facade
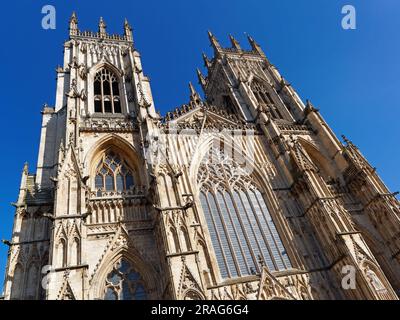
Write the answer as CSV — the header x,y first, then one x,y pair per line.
x,y
247,194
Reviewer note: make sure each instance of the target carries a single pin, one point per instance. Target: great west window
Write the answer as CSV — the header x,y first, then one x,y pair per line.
x,y
241,227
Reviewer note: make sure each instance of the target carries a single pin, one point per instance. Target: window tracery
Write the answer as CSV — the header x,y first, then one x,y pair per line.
x,y
124,283
106,92
113,174
240,224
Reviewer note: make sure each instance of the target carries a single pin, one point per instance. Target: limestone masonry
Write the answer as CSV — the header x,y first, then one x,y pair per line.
x,y
246,194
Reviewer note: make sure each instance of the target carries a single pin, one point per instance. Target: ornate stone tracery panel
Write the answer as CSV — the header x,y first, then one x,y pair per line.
x,y
243,233
123,282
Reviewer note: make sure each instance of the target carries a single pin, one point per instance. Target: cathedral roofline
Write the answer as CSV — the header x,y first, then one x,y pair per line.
x,y
236,48
75,33
95,35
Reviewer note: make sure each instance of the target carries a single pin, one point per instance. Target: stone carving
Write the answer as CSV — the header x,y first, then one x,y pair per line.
x,y
270,288
188,286
108,125
310,193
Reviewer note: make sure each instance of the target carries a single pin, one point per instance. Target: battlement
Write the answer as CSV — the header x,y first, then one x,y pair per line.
x,y
74,32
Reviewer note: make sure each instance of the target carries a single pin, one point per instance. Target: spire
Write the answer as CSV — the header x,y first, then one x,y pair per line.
x,y
194,96
73,25
128,30
255,46
202,79
214,42
102,27
207,62
235,43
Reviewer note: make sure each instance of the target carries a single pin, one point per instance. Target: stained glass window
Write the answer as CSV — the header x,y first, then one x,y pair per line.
x,y
241,228
113,174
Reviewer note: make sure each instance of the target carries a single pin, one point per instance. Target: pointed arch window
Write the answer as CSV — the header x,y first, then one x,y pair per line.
x,y
75,253
124,283
113,174
241,227
106,92
263,97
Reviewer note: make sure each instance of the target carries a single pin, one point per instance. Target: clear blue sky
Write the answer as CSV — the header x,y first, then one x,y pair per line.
x,y
352,76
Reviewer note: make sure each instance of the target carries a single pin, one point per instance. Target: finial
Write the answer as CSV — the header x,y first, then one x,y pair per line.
x,y
255,46
194,96
102,27
191,88
214,42
202,79
73,17
73,25
26,168
207,62
235,43
128,30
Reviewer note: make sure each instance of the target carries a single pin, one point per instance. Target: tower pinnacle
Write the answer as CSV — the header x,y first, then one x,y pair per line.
x,y
214,42
102,27
235,43
207,62
194,96
128,30
202,79
73,24
255,46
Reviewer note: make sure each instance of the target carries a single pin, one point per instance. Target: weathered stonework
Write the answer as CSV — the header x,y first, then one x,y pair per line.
x,y
119,193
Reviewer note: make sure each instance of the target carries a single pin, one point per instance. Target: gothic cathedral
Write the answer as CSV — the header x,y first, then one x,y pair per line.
x,y
245,194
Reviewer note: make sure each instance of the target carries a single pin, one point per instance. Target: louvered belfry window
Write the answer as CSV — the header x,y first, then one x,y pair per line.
x,y
106,92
